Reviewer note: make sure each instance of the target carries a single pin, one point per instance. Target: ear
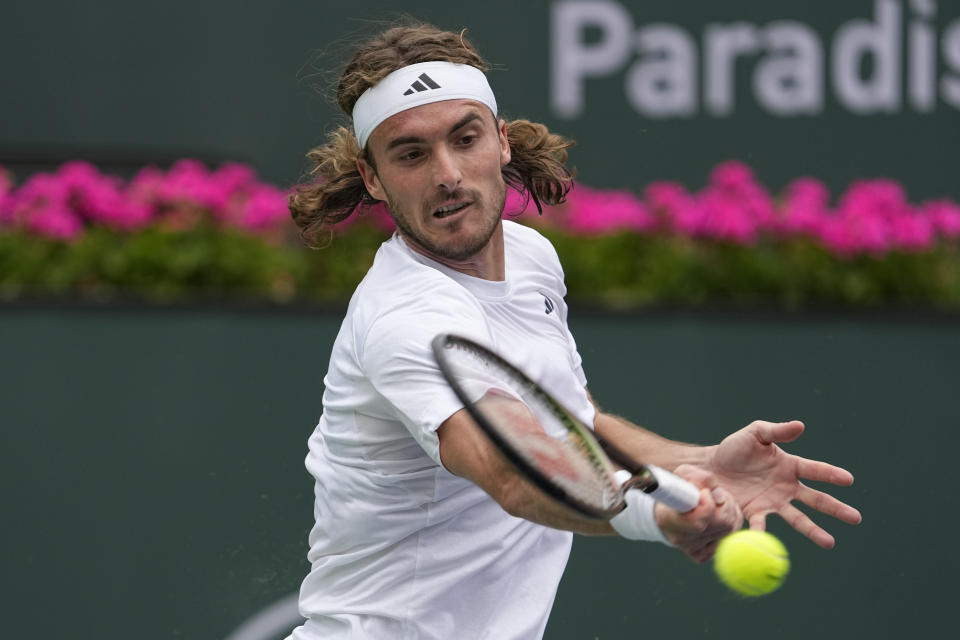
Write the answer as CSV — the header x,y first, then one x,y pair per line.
x,y
504,144
370,179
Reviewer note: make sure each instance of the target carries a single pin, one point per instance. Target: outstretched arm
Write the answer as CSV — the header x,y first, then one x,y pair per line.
x,y
467,452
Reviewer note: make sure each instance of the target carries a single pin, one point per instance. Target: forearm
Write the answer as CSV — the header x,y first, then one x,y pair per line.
x,y
646,446
522,499
465,451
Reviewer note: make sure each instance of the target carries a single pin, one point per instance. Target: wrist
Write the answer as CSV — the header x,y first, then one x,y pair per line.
x,y
638,520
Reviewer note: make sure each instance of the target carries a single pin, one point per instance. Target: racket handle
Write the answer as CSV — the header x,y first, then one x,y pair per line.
x,y
673,491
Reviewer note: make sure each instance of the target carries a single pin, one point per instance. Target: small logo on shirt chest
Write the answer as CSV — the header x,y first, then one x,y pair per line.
x,y
548,304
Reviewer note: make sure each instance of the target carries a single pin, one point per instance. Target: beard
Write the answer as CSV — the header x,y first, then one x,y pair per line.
x,y
463,247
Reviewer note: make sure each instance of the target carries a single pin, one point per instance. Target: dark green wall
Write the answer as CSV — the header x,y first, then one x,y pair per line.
x,y
130,82
152,465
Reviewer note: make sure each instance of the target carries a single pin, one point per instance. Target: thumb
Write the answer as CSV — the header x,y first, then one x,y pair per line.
x,y
770,432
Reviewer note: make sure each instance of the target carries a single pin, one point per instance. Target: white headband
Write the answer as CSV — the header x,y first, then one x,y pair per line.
x,y
416,85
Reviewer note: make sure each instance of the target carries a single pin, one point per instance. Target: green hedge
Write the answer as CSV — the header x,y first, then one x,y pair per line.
x,y
621,270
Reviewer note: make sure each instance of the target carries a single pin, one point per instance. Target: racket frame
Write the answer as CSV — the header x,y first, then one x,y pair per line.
x,y
594,446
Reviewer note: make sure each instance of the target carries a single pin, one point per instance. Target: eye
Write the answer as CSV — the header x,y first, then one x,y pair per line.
x,y
410,155
467,139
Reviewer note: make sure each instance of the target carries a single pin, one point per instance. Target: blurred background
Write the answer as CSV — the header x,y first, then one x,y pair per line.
x,y
765,225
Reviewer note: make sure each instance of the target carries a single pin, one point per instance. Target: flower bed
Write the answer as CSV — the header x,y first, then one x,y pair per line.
x,y
189,232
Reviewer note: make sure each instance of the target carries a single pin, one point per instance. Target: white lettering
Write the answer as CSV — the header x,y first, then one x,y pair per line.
x,y
924,8
724,43
950,46
921,59
573,60
789,80
877,64
880,40
663,83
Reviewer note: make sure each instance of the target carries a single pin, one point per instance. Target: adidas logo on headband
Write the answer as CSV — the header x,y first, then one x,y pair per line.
x,y
418,86
411,86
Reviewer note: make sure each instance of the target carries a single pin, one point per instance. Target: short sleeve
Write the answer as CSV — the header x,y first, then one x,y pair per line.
x,y
397,359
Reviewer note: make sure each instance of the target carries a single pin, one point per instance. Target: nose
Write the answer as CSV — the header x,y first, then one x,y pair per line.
x,y
446,171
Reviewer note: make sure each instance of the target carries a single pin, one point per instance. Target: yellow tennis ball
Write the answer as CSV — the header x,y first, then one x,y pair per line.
x,y
752,563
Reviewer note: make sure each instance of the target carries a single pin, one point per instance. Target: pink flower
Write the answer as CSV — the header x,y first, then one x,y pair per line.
x,y
232,177
517,204
912,232
553,215
837,237
725,218
54,220
144,190
593,211
41,187
6,198
40,205
733,176
872,216
806,207
880,219
263,209
671,203
99,199
188,183
808,190
944,215
869,233
878,199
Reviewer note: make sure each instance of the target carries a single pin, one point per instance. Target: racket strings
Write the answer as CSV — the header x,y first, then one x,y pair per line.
x,y
541,432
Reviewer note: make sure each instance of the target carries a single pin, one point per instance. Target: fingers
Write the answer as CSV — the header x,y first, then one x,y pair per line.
x,y
770,432
804,525
697,532
758,521
721,512
724,517
823,472
698,476
799,521
716,503
829,505
701,546
704,553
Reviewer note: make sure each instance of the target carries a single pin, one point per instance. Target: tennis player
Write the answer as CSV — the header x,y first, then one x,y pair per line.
x,y
423,530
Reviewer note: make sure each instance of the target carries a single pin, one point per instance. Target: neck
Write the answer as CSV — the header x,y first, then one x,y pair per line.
x,y
488,263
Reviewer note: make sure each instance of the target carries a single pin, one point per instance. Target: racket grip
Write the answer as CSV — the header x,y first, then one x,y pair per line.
x,y
674,491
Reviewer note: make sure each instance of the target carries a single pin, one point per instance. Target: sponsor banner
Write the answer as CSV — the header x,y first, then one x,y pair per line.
x,y
897,58
840,91
668,90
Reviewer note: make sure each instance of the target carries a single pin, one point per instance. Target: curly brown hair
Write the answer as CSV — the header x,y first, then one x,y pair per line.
x,y
537,168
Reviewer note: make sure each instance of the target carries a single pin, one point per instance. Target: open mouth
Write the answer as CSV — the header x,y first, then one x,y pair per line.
x,y
449,209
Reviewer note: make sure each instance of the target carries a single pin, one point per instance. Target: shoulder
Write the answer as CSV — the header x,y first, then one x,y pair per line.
x,y
521,233
403,301
528,238
531,247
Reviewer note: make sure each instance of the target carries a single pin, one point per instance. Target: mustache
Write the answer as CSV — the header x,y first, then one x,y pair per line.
x,y
457,195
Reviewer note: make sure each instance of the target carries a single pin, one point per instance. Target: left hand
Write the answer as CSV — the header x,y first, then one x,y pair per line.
x,y
765,479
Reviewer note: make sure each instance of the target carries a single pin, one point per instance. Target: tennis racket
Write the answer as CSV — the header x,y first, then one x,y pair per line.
x,y
544,440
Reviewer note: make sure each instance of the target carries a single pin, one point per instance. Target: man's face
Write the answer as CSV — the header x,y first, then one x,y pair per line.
x,y
438,168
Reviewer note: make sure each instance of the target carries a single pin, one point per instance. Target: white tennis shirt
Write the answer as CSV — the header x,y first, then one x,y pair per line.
x,y
403,549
